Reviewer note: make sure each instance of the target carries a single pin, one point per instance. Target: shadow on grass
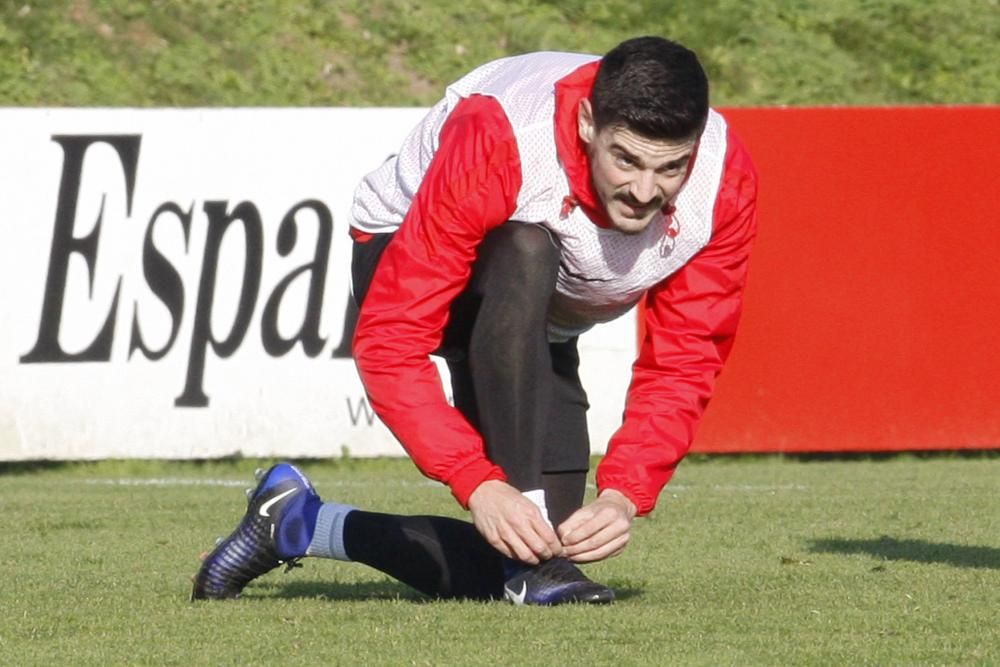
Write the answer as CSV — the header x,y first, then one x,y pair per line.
x,y
374,590
30,467
624,592
358,591
918,551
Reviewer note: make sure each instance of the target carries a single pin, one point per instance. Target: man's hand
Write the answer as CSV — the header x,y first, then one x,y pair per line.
x,y
598,530
512,523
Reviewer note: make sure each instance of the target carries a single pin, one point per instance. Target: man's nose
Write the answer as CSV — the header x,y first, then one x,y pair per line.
x,y
643,187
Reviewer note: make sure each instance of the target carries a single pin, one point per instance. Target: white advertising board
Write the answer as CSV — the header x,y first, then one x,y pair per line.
x,y
176,284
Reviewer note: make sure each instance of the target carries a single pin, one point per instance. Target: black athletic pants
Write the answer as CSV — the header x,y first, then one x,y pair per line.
x,y
521,393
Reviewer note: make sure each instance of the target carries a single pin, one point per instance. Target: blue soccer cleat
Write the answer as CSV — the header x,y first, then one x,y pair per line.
x,y
555,581
275,530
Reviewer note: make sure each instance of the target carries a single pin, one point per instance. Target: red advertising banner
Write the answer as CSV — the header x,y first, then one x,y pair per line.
x,y
872,318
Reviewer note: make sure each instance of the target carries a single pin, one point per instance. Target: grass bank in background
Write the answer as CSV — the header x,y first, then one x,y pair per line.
x,y
402,53
747,561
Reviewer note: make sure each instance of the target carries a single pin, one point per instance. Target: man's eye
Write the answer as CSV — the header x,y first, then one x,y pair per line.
x,y
623,161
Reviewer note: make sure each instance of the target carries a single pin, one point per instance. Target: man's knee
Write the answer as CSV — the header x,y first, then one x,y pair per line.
x,y
530,240
522,252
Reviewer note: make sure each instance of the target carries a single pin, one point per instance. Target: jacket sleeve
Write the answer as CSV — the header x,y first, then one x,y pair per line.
x,y
470,187
690,322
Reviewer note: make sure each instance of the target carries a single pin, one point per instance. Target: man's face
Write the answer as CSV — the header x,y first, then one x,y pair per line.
x,y
633,176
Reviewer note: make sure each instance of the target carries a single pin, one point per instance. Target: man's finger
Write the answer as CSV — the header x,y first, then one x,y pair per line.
x,y
518,546
502,547
607,550
548,544
575,523
596,540
539,536
589,524
524,554
539,547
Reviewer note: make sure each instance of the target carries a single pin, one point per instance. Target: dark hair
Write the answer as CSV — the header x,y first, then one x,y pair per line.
x,y
652,86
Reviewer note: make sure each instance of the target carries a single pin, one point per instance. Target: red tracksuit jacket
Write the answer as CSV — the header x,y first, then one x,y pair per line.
x,y
503,145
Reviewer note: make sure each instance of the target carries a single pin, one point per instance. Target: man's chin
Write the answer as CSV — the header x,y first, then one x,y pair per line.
x,y
630,226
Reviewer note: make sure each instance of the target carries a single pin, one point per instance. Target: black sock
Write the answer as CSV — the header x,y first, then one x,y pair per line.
x,y
438,556
564,493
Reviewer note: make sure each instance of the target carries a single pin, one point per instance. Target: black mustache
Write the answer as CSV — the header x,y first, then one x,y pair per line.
x,y
634,203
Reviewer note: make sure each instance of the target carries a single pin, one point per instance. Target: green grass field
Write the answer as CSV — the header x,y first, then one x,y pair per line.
x,y
402,52
747,561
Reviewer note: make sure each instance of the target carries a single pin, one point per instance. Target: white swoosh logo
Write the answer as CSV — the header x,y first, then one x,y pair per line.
x,y
266,507
517,598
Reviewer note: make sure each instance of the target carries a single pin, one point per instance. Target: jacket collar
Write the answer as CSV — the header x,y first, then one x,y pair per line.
x,y
570,90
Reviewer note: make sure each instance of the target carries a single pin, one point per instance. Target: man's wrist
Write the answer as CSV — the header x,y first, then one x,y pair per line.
x,y
620,498
484,488
471,476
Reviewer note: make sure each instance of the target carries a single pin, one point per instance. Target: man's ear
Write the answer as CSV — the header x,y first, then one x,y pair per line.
x,y
585,121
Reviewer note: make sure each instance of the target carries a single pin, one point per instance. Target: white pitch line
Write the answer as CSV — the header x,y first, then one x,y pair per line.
x,y
167,482
164,482
739,488
671,488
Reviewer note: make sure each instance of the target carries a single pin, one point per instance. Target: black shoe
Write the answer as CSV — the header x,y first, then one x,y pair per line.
x,y
258,545
555,581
